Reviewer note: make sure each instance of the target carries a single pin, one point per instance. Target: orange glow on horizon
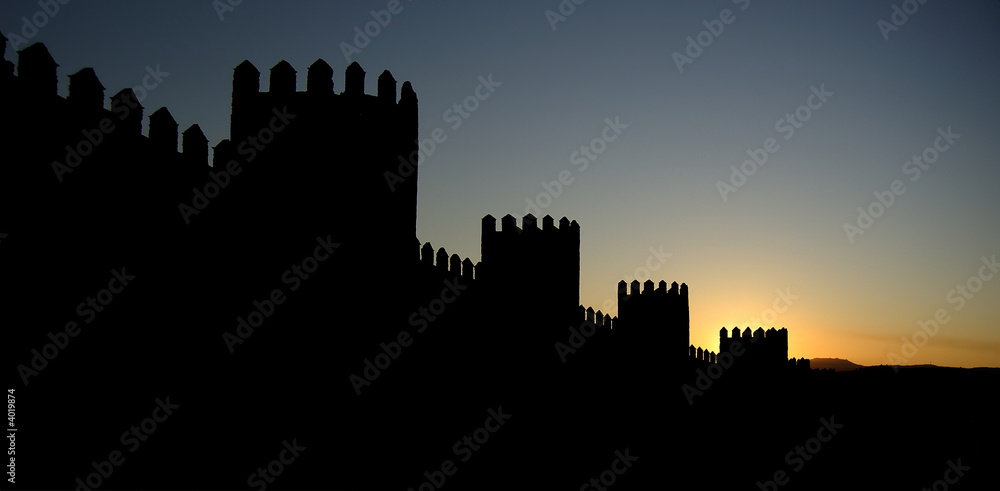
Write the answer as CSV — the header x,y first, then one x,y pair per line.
x,y
819,331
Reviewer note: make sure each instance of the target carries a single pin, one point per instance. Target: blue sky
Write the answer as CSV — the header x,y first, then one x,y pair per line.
x,y
657,184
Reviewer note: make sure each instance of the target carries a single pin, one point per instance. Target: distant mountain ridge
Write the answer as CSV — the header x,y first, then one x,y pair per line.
x,y
836,364
841,365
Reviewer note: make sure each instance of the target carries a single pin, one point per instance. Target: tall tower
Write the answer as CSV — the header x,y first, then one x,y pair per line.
x,y
656,319
325,150
536,268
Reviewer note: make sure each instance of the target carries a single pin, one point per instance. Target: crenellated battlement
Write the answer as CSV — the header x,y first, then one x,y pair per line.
x,y
349,139
520,258
349,110
597,318
646,290
646,300
282,81
768,348
36,70
702,355
445,266
37,80
759,333
529,224
655,314
528,241
759,348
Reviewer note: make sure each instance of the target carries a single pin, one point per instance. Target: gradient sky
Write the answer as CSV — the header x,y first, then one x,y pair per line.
x,y
656,185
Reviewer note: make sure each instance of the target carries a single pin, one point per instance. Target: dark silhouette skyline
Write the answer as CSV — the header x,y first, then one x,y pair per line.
x,y
175,324
592,118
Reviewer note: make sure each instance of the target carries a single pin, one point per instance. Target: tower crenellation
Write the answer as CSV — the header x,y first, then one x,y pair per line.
x,y
282,78
194,146
768,349
442,261
652,315
605,322
319,79
127,108
354,81
163,131
518,258
86,93
440,265
36,70
386,88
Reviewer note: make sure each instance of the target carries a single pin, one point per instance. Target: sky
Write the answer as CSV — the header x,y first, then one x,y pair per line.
x,y
670,102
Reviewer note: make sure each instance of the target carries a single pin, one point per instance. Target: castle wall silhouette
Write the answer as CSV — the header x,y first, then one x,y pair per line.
x,y
384,128
76,208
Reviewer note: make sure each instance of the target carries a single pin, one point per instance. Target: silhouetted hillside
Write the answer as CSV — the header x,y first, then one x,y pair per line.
x,y
834,363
